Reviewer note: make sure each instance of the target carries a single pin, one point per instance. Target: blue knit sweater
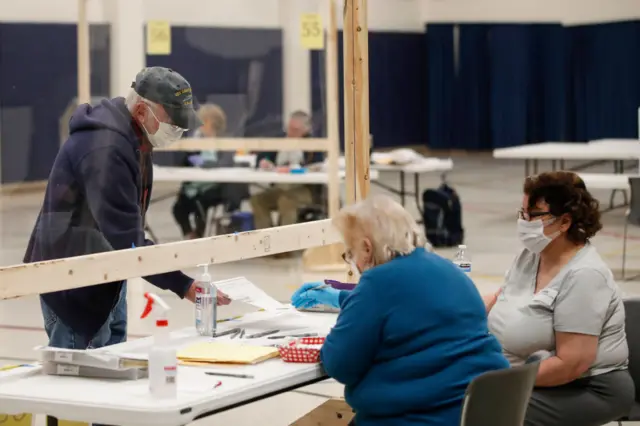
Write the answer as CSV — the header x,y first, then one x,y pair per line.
x,y
408,341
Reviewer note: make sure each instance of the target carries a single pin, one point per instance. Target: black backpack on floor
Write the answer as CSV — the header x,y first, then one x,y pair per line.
x,y
442,216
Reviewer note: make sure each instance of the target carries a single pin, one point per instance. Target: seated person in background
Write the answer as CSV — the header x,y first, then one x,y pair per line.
x,y
286,199
195,198
560,297
412,334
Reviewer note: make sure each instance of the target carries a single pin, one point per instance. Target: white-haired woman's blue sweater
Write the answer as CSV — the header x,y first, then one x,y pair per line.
x,y
408,341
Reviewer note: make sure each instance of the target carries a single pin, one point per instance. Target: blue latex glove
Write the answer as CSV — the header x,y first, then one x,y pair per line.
x,y
196,160
305,297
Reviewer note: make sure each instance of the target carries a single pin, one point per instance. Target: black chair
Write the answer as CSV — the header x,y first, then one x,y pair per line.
x,y
632,328
632,216
499,398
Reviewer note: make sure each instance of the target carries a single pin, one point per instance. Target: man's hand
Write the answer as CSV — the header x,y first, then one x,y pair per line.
x,y
222,298
265,164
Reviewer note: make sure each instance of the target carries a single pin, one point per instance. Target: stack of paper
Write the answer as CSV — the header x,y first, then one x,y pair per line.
x,y
213,353
241,289
97,363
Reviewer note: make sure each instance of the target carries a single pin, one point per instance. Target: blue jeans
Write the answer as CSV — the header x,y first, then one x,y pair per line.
x,y
112,332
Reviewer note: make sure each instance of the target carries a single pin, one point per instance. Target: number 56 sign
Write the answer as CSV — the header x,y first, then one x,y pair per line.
x,y
311,31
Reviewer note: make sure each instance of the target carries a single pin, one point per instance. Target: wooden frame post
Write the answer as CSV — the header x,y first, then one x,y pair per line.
x,y
356,102
84,55
356,99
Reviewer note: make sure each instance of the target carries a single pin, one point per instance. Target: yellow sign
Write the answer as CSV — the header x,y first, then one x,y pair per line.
x,y
16,419
158,38
311,31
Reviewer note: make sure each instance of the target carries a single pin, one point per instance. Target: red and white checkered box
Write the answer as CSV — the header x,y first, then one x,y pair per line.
x,y
294,353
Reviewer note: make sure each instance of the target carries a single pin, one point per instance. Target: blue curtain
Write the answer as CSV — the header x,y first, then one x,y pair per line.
x,y
511,83
605,80
471,127
440,85
38,80
502,85
396,88
528,84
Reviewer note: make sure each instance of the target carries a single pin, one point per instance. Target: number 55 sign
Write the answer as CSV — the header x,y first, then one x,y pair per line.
x,y
311,31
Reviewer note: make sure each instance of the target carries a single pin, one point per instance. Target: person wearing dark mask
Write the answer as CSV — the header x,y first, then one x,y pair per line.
x,y
97,198
561,303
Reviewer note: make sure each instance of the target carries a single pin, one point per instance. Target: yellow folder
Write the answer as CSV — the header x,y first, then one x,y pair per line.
x,y
213,353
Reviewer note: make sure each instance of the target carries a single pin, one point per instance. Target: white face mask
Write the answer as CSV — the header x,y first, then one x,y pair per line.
x,y
166,134
532,236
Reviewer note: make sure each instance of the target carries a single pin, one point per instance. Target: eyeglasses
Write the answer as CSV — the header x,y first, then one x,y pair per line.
x,y
530,215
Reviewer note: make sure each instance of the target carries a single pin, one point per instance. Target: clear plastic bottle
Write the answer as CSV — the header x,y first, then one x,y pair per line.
x,y
205,304
462,259
163,361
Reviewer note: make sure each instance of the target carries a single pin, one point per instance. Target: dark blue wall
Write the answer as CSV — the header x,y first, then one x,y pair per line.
x,y
217,61
38,79
396,88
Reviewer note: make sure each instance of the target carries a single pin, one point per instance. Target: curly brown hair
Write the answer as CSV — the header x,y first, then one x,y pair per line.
x,y
566,193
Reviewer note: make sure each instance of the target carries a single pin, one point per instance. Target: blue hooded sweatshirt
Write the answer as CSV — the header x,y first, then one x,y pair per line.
x,y
96,199
408,341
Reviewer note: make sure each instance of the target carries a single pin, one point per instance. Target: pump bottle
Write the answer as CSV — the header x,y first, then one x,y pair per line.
x,y
163,362
206,304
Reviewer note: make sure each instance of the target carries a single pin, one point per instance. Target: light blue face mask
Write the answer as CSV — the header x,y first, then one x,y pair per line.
x,y
531,234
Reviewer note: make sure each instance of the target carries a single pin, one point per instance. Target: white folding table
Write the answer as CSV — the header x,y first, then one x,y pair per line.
x,y
248,175
597,151
418,166
242,175
129,402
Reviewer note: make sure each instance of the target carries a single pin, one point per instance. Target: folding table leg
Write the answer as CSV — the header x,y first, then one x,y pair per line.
x,y
403,190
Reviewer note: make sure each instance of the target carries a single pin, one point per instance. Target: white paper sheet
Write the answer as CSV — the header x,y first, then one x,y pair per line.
x,y
241,289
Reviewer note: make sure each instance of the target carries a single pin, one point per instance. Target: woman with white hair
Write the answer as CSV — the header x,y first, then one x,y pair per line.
x,y
412,334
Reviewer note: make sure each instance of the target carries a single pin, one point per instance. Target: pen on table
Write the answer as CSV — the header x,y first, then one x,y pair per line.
x,y
226,332
294,335
263,334
235,375
230,319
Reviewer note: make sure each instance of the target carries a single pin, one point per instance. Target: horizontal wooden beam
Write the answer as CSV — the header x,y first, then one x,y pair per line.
x,y
248,144
83,271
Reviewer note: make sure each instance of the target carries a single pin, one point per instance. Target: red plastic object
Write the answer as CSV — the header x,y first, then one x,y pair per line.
x,y
293,353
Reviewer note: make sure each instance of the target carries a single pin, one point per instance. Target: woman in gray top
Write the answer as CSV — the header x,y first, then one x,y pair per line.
x,y
560,298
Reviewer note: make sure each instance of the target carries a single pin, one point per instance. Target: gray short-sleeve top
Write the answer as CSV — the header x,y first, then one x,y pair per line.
x,y
582,298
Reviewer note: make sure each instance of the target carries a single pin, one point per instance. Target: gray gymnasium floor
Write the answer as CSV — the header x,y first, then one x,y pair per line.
x,y
490,193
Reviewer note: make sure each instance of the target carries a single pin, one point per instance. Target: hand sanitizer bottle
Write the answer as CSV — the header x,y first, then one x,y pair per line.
x,y
205,304
163,361
462,260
